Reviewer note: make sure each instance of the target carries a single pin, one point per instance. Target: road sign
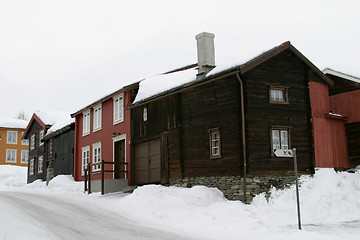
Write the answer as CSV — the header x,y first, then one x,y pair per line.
x,y
283,152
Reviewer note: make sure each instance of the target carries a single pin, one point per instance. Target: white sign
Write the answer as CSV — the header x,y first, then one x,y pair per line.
x,y
283,152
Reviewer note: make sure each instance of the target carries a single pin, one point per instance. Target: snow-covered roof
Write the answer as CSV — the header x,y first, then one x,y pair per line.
x,y
173,80
13,123
341,75
57,119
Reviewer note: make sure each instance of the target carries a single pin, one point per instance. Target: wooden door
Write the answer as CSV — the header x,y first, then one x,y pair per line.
x,y
147,162
119,152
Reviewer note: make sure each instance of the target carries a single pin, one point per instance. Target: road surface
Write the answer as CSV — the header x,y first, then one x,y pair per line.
x,y
26,215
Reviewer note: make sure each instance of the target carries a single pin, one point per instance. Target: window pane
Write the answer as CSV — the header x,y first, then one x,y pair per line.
x,y
277,95
284,139
275,139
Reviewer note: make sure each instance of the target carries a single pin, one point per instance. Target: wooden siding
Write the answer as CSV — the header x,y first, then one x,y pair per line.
x,y
36,152
212,105
104,136
347,104
284,70
353,141
63,152
342,85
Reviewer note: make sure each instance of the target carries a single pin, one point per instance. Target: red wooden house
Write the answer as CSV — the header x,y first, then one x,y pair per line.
x,y
336,120
102,132
345,100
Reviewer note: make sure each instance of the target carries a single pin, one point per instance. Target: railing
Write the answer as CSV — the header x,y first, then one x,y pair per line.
x,y
88,172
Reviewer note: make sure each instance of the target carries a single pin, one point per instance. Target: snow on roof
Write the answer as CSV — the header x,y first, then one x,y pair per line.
x,y
341,75
57,119
13,123
164,82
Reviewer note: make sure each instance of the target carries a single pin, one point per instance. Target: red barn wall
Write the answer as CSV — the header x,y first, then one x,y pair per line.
x,y
347,104
329,134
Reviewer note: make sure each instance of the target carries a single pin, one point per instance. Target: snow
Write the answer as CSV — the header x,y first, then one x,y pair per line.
x,y
164,82
330,208
13,123
57,119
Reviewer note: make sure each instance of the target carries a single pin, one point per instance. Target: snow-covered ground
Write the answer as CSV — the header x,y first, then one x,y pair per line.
x,y
330,209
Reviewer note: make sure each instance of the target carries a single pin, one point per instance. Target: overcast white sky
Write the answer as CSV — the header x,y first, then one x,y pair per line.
x,y
63,55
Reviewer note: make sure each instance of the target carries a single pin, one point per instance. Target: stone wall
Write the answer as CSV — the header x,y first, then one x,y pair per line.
x,y
232,186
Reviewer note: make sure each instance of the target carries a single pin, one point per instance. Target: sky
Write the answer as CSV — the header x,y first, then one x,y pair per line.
x,y
64,55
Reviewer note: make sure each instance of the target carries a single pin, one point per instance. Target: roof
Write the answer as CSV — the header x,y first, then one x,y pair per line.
x,y
13,123
341,75
171,81
51,120
126,88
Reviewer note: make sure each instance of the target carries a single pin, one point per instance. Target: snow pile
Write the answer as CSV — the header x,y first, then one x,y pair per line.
x,y
330,207
13,123
12,177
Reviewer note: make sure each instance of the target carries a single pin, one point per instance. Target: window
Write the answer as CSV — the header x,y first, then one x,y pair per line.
x,y
97,118
32,142
118,109
278,95
145,114
11,137
215,143
85,158
86,123
31,169
40,164
24,156
11,155
41,137
51,146
280,138
97,156
24,141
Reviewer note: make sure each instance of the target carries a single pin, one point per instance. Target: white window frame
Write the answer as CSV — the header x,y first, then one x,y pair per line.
x,y
280,138
40,164
12,153
85,158
215,143
32,142
41,137
24,156
96,157
118,108
86,122
24,141
11,137
31,167
97,118
145,114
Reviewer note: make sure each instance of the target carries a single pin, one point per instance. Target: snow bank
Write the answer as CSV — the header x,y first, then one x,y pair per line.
x,y
330,207
12,177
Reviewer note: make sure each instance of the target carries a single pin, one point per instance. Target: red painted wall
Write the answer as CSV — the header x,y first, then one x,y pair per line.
x,y
347,104
329,134
104,136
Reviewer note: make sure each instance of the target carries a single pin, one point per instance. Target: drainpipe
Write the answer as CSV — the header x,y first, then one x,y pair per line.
x,y
243,129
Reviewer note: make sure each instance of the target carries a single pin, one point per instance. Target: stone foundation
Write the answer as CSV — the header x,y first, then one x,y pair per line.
x,y
232,186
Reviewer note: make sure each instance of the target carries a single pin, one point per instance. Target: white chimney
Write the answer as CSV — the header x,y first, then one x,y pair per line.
x,y
205,52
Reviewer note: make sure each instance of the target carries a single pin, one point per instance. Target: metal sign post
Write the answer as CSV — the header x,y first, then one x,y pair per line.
x,y
297,187
292,153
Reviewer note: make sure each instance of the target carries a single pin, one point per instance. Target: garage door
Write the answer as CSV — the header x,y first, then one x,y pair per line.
x,y
147,162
